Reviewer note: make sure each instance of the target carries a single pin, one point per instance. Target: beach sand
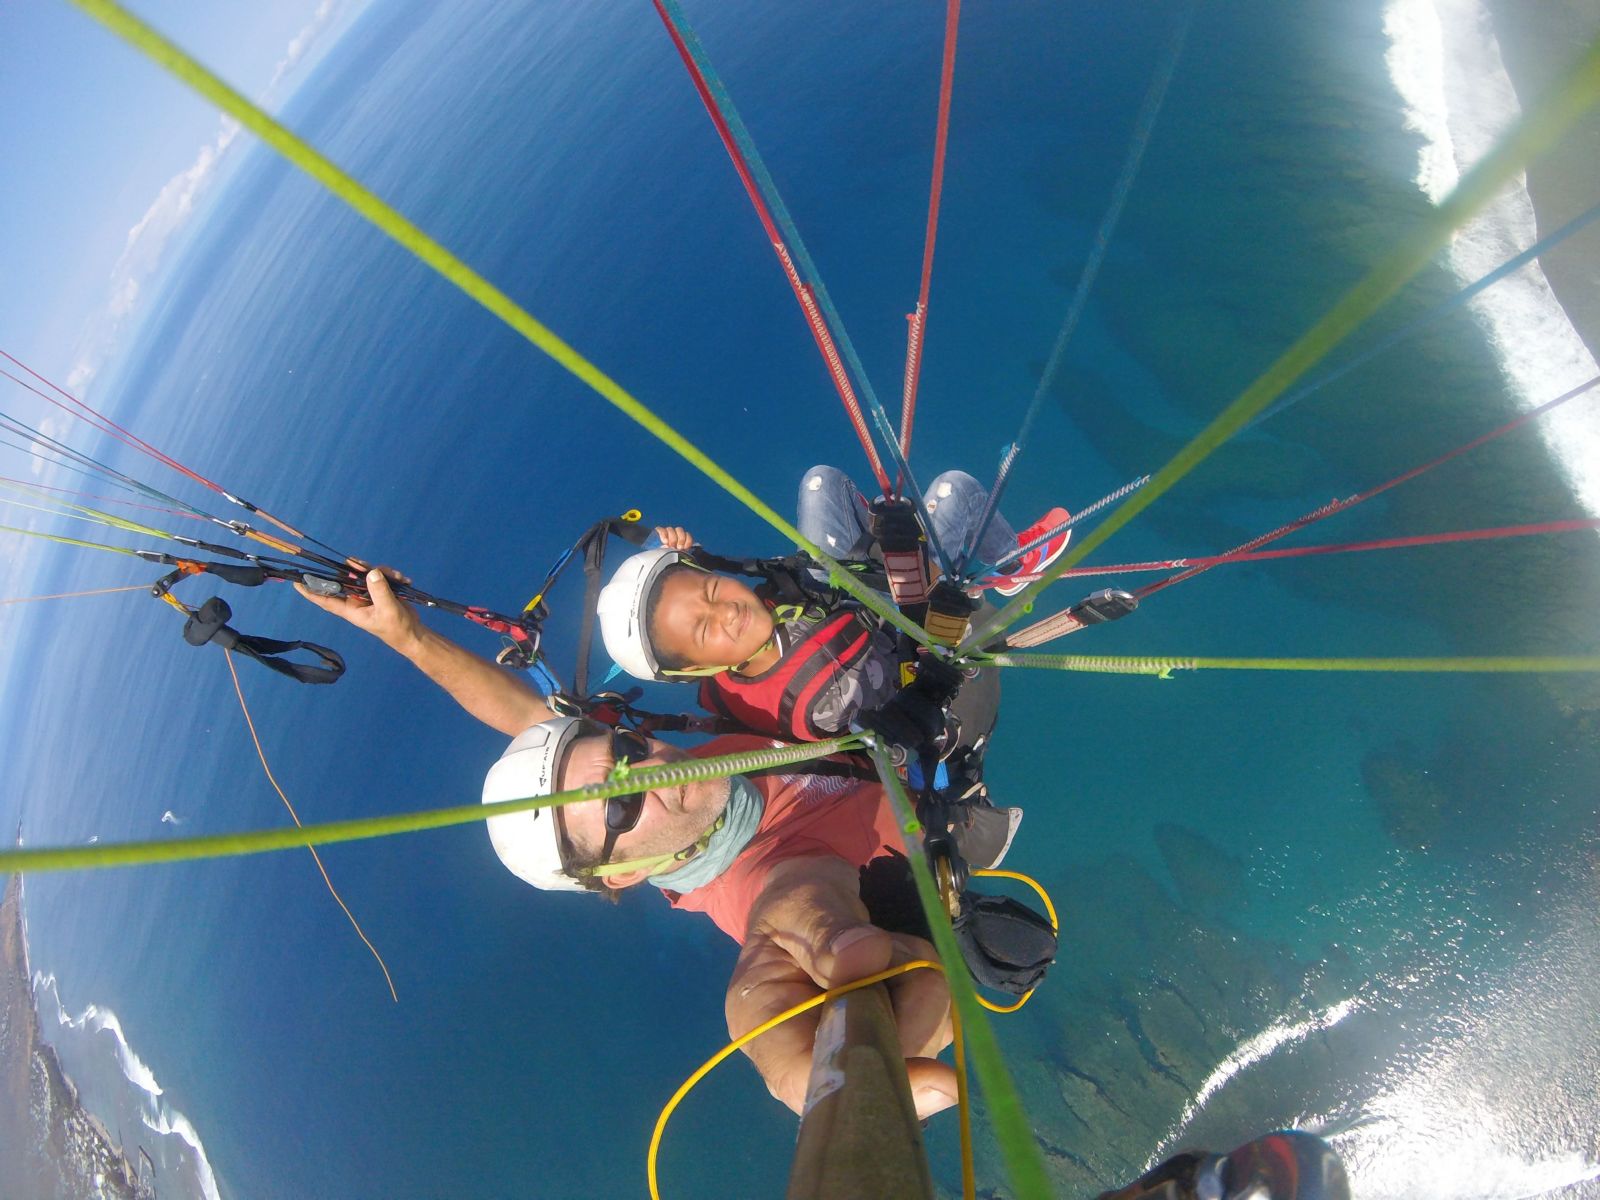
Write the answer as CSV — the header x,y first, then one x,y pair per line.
x,y
1539,39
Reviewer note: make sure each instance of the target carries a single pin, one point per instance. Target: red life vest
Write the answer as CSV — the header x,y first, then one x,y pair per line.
x,y
781,702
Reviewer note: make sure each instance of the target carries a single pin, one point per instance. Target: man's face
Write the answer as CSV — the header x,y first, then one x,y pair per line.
x,y
708,620
672,817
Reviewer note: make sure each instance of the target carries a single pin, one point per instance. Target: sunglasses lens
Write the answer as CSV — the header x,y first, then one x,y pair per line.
x,y
623,812
627,746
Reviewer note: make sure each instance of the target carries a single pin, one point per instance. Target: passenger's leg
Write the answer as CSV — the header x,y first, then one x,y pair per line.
x,y
833,514
955,503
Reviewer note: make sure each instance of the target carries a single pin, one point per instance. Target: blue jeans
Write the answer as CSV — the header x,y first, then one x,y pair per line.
x,y
833,514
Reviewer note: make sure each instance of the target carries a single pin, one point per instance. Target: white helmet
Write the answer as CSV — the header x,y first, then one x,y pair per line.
x,y
621,609
529,843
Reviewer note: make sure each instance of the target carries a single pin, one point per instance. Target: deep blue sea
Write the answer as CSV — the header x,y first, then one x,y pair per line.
x,y
1358,902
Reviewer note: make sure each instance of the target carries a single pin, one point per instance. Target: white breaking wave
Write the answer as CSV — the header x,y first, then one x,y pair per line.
x,y
1445,62
155,1113
1247,1055
95,1019
168,1122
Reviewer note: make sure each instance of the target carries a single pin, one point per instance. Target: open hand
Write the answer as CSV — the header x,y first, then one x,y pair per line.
x,y
381,613
809,934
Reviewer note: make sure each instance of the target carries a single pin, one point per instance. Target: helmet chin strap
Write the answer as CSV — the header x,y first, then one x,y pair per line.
x,y
737,668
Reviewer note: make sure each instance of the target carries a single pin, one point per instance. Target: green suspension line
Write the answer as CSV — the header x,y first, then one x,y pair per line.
x,y
1164,667
1024,1163
230,845
1535,132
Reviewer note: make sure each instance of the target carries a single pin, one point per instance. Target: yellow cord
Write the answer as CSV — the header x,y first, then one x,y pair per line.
x,y
745,1039
968,1182
132,587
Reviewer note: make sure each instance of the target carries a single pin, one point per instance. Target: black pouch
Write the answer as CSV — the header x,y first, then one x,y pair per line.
x,y
1007,945
209,624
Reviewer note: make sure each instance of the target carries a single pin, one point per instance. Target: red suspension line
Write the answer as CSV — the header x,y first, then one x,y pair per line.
x,y
1337,506
1062,623
106,425
802,293
917,318
102,422
1395,543
172,512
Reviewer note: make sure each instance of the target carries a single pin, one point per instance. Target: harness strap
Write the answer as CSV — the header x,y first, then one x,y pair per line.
x,y
839,766
790,576
841,647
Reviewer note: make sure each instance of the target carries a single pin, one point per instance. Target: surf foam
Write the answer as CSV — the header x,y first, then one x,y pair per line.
x,y
1445,62
91,1029
1284,1032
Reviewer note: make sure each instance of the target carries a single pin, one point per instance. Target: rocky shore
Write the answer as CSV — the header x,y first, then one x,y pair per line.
x,y
51,1148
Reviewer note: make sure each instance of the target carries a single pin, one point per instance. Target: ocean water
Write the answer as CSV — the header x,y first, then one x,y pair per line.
x,y
1359,903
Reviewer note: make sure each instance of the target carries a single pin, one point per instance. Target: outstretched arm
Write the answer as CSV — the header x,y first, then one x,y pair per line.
x,y
496,697
809,932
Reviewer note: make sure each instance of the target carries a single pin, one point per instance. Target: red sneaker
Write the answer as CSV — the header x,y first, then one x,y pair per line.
x,y
1037,559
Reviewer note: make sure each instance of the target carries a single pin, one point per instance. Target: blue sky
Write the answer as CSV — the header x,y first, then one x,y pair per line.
x,y
97,143
109,167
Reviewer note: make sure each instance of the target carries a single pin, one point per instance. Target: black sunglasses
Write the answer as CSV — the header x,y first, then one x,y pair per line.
x,y
623,812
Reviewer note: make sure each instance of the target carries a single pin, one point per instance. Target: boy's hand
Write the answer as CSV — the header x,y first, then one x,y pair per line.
x,y
675,537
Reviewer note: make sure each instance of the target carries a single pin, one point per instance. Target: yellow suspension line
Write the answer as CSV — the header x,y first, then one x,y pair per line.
x,y
68,541
389,220
93,516
1013,1133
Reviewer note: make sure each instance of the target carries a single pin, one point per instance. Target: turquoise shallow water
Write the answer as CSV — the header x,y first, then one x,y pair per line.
x,y
1351,901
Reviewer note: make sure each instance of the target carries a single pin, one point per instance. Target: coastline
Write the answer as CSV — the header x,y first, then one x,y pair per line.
x,y
1537,44
63,1150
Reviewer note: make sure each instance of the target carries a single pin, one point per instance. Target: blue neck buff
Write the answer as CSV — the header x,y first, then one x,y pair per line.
x,y
737,826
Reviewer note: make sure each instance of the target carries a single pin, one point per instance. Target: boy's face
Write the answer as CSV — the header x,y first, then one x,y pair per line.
x,y
709,620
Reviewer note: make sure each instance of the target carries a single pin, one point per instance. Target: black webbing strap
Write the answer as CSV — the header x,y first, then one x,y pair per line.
x,y
209,624
593,544
594,561
790,577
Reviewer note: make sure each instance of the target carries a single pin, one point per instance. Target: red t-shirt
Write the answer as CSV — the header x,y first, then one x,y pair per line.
x,y
806,816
